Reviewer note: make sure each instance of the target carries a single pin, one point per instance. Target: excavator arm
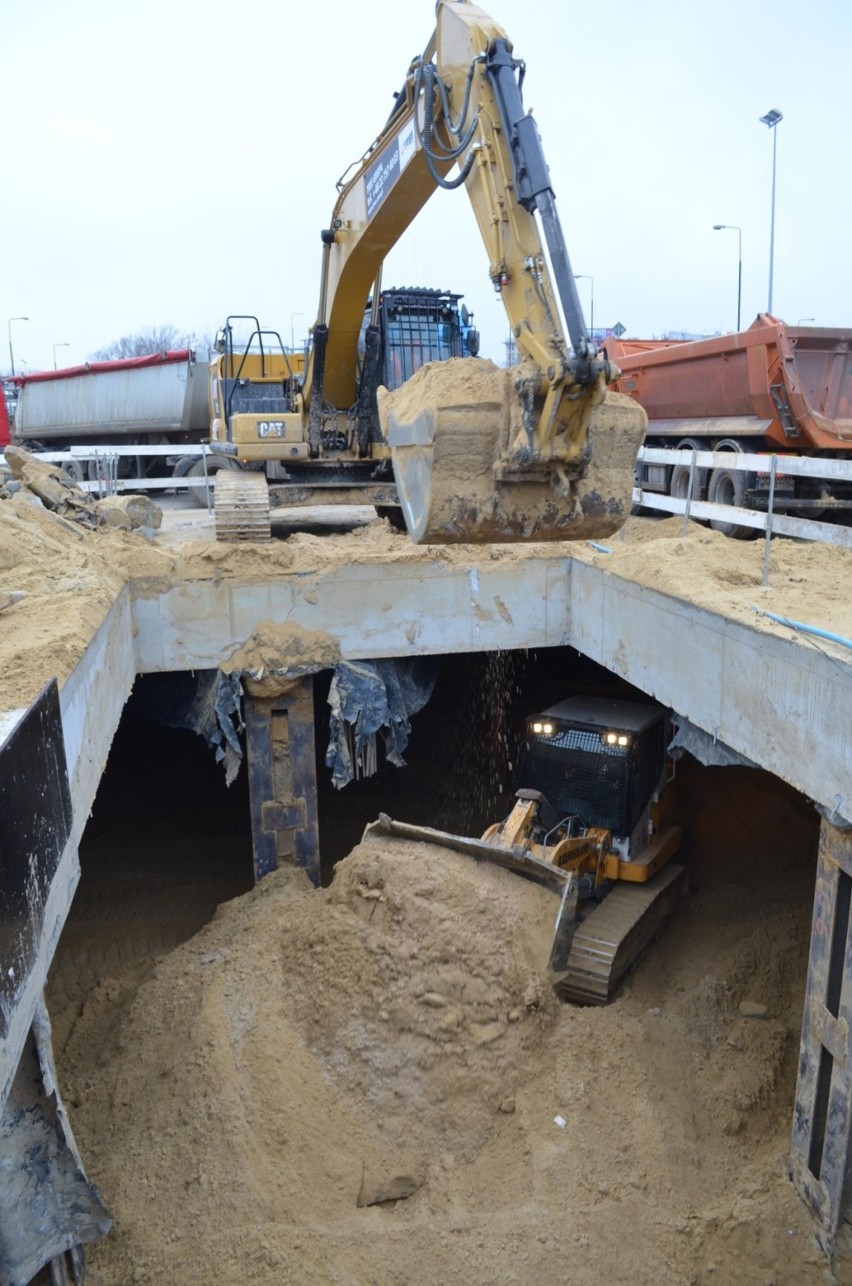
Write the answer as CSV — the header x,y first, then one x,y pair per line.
x,y
479,453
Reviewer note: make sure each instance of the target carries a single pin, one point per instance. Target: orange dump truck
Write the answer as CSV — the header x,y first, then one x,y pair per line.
x,y
772,388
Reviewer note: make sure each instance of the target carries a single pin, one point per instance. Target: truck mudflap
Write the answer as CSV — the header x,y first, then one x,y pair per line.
x,y
610,940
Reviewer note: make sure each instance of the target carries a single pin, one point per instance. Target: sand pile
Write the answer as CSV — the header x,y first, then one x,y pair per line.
x,y
806,582
392,1040
71,576
311,1055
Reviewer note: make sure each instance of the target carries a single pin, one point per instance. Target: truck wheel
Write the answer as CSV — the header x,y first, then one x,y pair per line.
x,y
679,487
728,487
195,477
74,471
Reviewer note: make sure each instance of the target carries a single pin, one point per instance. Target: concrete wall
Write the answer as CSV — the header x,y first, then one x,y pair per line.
x,y
773,697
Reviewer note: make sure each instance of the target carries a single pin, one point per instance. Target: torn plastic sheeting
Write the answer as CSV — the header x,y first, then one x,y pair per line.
x,y
47,1204
212,714
368,696
206,702
702,746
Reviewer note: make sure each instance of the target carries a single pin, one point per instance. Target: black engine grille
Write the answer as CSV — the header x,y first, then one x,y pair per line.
x,y
579,774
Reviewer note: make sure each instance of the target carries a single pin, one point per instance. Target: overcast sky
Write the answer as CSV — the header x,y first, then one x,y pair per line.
x,y
172,164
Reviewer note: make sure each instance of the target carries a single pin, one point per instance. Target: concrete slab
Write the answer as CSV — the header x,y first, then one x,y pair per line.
x,y
374,610
779,701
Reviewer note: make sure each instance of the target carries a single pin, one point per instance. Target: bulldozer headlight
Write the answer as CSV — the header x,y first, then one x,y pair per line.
x,y
615,739
543,729
538,727
547,729
623,741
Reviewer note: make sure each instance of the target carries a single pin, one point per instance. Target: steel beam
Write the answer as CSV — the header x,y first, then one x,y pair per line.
x,y
820,1159
281,761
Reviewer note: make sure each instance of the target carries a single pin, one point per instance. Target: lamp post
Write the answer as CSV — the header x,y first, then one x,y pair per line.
x,y
732,227
61,344
770,120
581,276
802,320
9,329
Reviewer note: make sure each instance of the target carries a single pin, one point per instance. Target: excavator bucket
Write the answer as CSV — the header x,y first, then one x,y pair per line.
x,y
450,429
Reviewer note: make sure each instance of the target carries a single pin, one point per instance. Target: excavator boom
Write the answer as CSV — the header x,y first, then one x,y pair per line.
x,y
540,451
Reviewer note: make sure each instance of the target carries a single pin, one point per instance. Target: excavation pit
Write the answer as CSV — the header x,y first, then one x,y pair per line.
x,y
636,1117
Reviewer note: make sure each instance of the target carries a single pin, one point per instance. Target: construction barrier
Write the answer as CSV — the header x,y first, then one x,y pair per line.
x,y
108,482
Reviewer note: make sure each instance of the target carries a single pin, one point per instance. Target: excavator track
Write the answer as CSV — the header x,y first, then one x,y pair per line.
x,y
609,941
449,429
241,506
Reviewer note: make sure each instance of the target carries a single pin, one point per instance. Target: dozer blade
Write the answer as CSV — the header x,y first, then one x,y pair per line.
x,y
513,859
241,506
449,430
613,936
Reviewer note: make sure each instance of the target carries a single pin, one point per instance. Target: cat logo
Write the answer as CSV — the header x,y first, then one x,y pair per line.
x,y
270,428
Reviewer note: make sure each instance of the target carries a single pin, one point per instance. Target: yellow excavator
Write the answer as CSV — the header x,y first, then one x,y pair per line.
x,y
538,451
594,821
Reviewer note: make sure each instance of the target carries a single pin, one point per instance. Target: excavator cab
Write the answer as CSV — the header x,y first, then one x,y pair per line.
x,y
417,326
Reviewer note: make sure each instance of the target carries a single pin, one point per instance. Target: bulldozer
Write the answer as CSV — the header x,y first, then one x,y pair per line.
x,y
594,821
474,453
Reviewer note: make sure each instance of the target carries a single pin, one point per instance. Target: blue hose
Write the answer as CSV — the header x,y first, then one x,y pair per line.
x,y
806,629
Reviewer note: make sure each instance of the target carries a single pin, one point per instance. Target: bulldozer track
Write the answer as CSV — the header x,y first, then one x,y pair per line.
x,y
242,506
613,936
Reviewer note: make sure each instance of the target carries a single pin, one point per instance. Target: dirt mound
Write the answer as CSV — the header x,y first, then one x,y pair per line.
x,y
806,582
311,1054
374,1083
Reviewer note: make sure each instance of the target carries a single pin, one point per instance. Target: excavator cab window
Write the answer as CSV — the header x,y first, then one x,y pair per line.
x,y
416,327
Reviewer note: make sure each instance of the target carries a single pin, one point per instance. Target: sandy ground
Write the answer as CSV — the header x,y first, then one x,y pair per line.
x,y
72,576
374,1083
362,1084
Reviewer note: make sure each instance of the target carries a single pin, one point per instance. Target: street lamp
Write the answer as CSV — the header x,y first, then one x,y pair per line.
x,y
9,328
581,276
770,120
55,346
732,227
802,320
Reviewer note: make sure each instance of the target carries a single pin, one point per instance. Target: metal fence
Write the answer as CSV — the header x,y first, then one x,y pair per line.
x,y
103,463
768,520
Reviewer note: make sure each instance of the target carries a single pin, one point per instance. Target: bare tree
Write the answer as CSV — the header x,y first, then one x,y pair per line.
x,y
153,339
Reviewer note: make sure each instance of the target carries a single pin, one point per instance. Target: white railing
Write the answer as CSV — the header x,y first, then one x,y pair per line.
x,y
105,459
771,466
107,482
